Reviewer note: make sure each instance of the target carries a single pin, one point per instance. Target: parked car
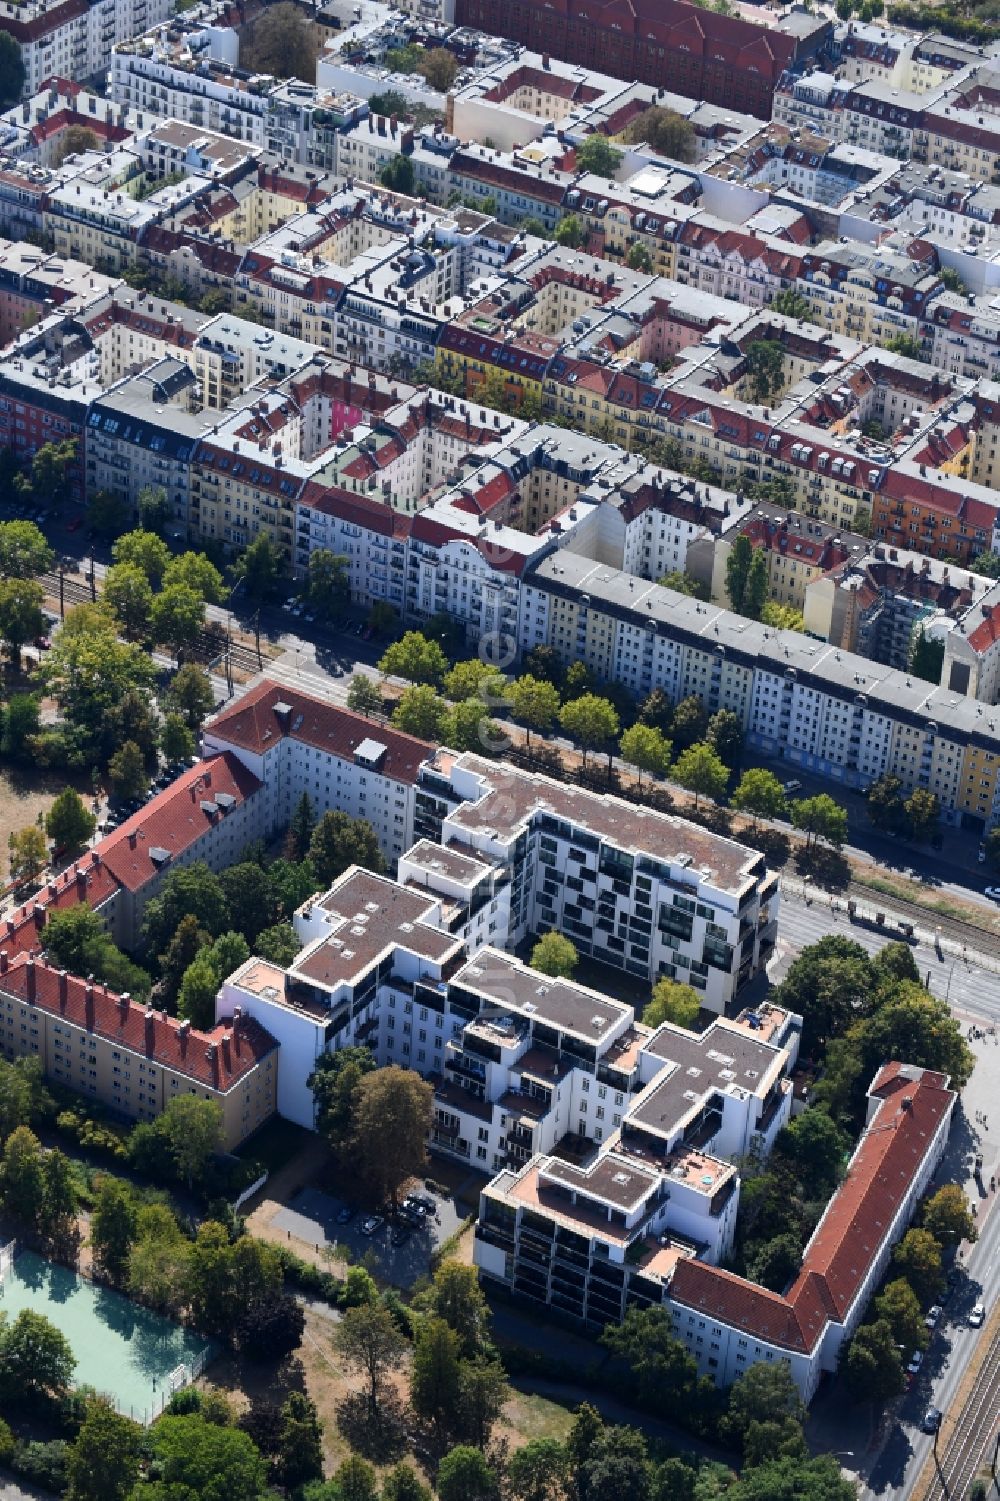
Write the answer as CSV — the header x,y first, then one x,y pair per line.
x,y
372,1223
933,1314
977,1316
417,1205
915,1363
789,787
932,1420
993,892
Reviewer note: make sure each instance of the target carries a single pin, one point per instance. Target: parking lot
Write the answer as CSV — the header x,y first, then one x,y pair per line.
x,y
312,1216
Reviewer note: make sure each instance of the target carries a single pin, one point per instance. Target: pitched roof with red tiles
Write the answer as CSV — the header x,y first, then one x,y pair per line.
x,y
175,819
851,1232
87,880
252,725
216,1060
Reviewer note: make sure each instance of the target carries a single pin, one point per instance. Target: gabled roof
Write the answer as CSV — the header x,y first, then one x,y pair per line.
x,y
217,1060
255,724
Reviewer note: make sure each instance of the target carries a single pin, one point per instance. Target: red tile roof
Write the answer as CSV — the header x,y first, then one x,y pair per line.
x,y
252,725
217,1060
851,1232
175,819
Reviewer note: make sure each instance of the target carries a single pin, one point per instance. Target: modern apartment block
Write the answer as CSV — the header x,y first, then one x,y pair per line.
x,y
133,1059
639,890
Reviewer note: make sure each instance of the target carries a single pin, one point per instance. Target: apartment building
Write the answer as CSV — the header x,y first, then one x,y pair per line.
x,y
292,743
73,38
592,1234
639,890
130,1058
729,1324
797,698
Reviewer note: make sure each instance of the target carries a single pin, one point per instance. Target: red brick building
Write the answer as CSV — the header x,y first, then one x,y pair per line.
x,y
668,43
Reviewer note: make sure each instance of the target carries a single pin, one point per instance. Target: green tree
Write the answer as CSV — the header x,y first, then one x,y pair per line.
x,y
21,1094
591,721
816,1147
77,939
369,1342
585,1431
127,771
483,1392
415,658
193,1129
22,1178
765,368
539,1471
884,800
112,1230
439,67
21,618
11,70
278,944
468,727
475,679
569,232
792,1479
249,898
145,551
456,1296
923,811
646,748
60,1205
597,155
661,1368
107,513
177,742
763,1394
666,131
158,1262
194,571
364,696
402,1483
334,1083
820,818
129,593
24,552
97,682
946,1216
178,618
393,1112
339,841
830,984
776,1261
618,1468
435,1373
914,1025
300,829
757,585
904,344
689,722
35,1360
672,1002
759,794
20,722
738,570
198,990
725,735
917,1258
792,304
104,1460
328,580
262,567
873,1367
899,1306
51,468
702,772
927,657
190,695
154,509
422,712
398,176
188,889
534,702
187,942
555,955
28,853
300,1452
639,259
68,822
199,1459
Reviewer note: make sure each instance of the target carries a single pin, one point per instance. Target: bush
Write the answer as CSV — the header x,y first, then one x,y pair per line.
x,y
43,1465
309,1278
6,1443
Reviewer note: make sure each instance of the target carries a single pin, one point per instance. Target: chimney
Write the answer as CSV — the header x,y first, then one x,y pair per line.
x,y
150,1029
29,971
88,1006
63,989
39,915
81,879
132,838
183,1033
124,1002
227,1059
212,1055
3,961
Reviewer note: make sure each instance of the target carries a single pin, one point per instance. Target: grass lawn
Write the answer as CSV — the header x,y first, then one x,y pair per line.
x,y
528,1416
